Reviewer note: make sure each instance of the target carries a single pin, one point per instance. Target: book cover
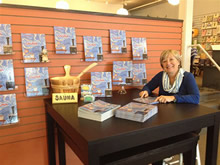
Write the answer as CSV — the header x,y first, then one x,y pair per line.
x,y
8,109
98,110
65,40
5,39
139,48
118,41
122,73
101,84
37,81
93,48
7,81
136,111
147,100
33,46
139,74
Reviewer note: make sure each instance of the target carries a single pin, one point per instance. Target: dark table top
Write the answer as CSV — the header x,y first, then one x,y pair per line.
x,y
168,114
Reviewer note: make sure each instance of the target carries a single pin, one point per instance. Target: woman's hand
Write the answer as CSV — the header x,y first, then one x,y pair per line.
x,y
165,99
143,94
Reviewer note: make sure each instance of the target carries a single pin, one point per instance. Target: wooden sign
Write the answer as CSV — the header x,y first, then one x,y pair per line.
x,y
64,98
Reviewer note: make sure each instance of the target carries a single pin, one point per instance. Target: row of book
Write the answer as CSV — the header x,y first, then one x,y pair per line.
x,y
139,111
37,78
35,50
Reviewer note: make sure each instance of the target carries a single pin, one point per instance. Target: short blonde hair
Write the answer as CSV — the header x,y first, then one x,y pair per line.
x,y
165,54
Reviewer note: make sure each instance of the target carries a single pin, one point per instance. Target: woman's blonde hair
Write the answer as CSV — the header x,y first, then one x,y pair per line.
x,y
165,54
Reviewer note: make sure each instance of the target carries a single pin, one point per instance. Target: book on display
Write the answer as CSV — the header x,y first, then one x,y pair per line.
x,y
37,81
98,110
8,109
101,84
136,111
65,40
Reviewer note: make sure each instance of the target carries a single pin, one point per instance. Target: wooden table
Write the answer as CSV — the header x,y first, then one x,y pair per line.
x,y
90,140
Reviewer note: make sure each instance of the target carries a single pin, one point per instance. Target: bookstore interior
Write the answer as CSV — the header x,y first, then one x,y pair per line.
x,y
113,60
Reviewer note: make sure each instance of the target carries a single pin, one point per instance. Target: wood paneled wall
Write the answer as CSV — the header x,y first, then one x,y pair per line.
x,y
30,132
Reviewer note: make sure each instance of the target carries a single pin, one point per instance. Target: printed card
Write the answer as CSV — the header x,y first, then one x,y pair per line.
x,y
37,81
5,39
8,109
118,41
93,48
65,40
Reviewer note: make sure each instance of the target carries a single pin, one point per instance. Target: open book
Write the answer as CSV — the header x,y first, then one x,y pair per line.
x,y
136,111
98,110
147,100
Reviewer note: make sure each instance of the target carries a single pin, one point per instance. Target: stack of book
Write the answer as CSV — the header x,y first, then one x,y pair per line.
x,y
136,111
98,110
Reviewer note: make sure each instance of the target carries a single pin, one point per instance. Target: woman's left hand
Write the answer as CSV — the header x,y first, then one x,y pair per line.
x,y
165,99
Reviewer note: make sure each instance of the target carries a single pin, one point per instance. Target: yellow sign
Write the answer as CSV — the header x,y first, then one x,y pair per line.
x,y
64,98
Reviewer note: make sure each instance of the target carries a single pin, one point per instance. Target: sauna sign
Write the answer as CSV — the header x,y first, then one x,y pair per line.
x,y
64,98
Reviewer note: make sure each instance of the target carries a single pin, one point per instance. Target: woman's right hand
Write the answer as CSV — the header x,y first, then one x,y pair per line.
x,y
143,94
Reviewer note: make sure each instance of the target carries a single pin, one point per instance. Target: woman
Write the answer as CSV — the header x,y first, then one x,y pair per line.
x,y
175,84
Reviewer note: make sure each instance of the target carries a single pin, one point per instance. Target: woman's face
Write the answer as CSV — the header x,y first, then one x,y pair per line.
x,y
170,65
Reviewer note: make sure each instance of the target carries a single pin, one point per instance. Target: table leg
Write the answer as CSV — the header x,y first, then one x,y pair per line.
x,y
50,140
61,148
212,142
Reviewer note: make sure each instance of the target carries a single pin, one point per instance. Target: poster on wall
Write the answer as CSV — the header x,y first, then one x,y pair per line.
x,y
118,41
8,109
37,81
5,39
34,48
93,48
101,84
139,48
7,81
65,40
139,74
122,73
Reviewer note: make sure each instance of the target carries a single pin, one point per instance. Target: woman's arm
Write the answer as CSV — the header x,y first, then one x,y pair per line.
x,y
192,90
153,83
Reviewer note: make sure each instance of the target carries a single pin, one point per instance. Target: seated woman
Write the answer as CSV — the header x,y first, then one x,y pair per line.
x,y
175,84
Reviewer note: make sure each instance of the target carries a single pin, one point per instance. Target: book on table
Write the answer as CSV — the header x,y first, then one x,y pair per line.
x,y
98,110
136,111
147,100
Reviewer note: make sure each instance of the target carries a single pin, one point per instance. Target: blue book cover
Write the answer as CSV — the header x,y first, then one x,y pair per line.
x,y
65,40
7,81
139,48
118,41
101,84
93,48
8,109
139,74
5,39
37,81
122,73
32,47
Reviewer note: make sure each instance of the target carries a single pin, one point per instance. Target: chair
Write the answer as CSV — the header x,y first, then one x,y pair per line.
x,y
156,151
180,161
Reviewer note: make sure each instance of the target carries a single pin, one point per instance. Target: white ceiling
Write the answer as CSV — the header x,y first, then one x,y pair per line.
x,y
131,4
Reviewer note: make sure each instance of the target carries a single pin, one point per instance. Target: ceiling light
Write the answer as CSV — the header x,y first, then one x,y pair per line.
x,y
62,5
122,11
174,2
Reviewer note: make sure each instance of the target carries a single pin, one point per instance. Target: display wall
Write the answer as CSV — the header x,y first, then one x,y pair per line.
x,y
25,142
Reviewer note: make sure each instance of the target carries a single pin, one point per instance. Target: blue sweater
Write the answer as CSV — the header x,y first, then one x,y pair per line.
x,y
188,91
